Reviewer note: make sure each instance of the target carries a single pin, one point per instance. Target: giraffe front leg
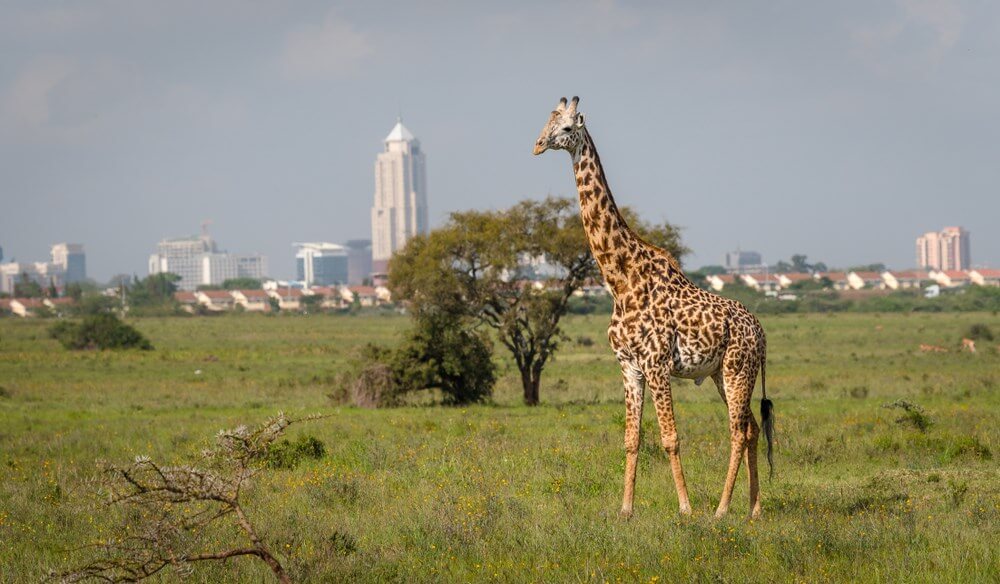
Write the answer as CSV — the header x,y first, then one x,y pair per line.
x,y
633,430
659,388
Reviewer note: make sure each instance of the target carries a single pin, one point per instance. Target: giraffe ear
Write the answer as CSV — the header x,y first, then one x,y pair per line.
x,y
579,120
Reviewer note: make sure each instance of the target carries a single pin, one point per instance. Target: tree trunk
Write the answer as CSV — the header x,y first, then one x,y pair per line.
x,y
530,384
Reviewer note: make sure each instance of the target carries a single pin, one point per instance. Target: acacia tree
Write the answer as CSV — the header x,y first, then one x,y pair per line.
x,y
480,265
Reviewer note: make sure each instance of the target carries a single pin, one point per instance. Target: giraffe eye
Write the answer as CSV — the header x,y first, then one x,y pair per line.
x,y
567,128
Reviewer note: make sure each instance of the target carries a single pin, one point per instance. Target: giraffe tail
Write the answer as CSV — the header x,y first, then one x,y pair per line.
x,y
767,414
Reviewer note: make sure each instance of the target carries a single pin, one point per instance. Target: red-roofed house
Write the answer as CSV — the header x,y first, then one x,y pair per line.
x,y
216,300
364,295
762,282
951,278
985,277
787,280
333,297
871,280
59,305
838,279
720,281
25,307
904,279
252,300
288,298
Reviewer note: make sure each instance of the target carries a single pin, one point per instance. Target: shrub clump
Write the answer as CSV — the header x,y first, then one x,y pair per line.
x,y
288,455
913,415
440,352
99,331
979,332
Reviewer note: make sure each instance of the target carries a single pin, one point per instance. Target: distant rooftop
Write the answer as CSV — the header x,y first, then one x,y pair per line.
x,y
399,133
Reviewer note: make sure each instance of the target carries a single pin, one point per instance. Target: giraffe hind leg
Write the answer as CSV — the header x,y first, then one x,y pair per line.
x,y
737,395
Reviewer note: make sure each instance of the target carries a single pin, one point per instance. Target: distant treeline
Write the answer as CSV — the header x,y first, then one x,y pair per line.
x,y
965,299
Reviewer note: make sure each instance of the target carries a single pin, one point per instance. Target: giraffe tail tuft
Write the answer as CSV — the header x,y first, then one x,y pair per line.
x,y
767,417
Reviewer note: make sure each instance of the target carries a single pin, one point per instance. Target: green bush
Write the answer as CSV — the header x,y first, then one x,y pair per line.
x,y
439,352
979,332
99,331
287,454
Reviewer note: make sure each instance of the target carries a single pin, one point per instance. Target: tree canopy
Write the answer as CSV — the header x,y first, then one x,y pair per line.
x,y
513,270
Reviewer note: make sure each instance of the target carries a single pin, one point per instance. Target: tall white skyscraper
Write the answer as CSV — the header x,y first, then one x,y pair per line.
x,y
400,209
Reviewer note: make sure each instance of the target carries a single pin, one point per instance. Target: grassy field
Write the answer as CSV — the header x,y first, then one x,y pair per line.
x,y
509,493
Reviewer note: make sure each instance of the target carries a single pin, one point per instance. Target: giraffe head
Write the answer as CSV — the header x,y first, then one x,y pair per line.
x,y
564,130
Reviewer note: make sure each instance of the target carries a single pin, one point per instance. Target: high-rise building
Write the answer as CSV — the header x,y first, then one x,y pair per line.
x,y
216,268
182,256
72,259
739,262
948,249
359,261
198,261
321,264
400,209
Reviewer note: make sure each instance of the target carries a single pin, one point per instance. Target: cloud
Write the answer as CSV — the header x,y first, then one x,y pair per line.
x,y
917,38
28,107
330,49
58,99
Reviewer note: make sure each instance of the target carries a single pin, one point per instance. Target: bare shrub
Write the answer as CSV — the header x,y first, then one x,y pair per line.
x,y
168,508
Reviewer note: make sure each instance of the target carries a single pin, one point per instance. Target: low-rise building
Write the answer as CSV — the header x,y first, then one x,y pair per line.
x,y
216,300
289,298
905,279
869,280
951,278
252,300
985,277
364,295
838,280
762,282
720,281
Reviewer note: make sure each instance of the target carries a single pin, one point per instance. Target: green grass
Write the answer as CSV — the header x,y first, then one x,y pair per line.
x,y
505,492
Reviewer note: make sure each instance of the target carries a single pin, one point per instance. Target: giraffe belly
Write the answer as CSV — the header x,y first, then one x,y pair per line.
x,y
694,363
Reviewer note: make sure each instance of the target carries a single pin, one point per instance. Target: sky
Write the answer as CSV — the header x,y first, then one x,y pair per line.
x,y
839,130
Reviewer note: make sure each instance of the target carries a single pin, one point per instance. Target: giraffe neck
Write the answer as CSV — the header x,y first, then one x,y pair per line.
x,y
609,236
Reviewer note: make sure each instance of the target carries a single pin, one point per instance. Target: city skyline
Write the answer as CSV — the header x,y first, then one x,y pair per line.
x,y
827,130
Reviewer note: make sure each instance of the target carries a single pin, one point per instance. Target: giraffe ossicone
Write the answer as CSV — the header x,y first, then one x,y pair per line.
x,y
664,326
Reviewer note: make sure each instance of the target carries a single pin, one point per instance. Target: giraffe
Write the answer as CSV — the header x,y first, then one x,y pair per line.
x,y
664,326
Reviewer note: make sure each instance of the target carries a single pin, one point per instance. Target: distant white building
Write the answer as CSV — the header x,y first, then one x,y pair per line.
x,y
44,273
321,263
216,268
72,259
400,209
198,261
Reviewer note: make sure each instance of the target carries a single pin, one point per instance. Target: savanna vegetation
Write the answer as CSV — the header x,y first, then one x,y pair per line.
x,y
885,465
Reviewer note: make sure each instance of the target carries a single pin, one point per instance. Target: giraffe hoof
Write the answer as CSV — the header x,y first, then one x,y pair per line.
x,y
625,514
685,509
720,513
755,514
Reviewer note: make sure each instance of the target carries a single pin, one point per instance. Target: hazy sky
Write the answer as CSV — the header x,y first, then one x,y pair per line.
x,y
841,130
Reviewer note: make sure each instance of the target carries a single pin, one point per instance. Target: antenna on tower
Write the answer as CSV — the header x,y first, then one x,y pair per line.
x,y
204,227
